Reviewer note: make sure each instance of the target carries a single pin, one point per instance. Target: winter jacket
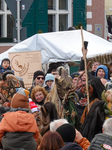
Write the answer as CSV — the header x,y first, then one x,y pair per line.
x,y
84,143
2,70
71,146
100,142
18,130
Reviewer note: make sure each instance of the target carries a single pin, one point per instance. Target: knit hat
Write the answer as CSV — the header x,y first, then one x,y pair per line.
x,y
49,76
20,99
5,59
75,74
67,132
38,73
33,107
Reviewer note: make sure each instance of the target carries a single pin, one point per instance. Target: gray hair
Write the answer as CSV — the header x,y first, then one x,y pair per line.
x,y
57,123
107,126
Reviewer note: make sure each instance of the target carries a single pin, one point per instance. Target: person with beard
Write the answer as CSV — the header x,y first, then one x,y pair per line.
x,y
95,90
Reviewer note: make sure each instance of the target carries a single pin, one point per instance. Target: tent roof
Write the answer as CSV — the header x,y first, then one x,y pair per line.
x,y
62,46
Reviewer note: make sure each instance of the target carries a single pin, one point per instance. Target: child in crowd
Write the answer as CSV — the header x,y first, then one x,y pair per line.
x,y
5,65
18,128
34,109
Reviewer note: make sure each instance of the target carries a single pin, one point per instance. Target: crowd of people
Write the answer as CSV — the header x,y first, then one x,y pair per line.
x,y
55,113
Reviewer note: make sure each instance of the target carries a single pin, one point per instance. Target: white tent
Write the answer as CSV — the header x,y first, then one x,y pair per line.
x,y
62,46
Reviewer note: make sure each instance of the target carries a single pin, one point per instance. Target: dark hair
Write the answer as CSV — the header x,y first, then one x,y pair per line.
x,y
71,28
51,141
94,120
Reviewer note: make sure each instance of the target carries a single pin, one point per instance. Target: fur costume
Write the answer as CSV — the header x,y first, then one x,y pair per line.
x,y
8,86
63,96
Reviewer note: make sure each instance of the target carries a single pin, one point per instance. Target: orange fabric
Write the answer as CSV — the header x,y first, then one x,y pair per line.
x,y
86,111
19,121
84,143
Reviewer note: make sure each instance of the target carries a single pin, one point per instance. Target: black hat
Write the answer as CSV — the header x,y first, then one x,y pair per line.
x,y
75,74
67,132
38,73
5,59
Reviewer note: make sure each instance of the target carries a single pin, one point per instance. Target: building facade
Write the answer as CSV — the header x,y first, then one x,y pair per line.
x,y
54,15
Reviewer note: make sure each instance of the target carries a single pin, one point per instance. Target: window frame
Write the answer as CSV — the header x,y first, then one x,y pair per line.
x,y
58,12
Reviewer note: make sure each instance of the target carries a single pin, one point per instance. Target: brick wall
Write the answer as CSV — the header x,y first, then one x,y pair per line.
x,y
4,48
96,15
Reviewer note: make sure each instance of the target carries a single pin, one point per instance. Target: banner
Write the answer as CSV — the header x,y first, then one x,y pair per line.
x,y
24,64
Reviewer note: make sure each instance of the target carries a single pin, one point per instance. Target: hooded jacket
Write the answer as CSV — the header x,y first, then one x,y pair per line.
x,y
21,128
105,70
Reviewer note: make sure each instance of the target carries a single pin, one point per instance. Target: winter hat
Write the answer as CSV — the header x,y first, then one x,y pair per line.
x,y
33,107
5,59
67,132
20,99
49,76
75,74
38,73
105,70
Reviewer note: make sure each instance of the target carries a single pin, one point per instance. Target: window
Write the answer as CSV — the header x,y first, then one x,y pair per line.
x,y
51,4
59,15
10,25
7,21
63,4
63,23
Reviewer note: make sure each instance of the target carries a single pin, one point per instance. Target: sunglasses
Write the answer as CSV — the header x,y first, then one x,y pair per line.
x,y
40,78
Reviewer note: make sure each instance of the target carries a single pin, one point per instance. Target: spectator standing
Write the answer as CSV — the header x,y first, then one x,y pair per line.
x,y
102,72
38,95
38,79
5,66
51,141
18,128
103,140
49,79
68,133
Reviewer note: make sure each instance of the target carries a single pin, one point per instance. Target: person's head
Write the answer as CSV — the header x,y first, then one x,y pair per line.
x,y
20,99
82,99
5,63
39,77
83,77
49,79
34,109
38,93
75,78
51,141
55,73
107,126
102,71
95,88
67,132
57,123
95,65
